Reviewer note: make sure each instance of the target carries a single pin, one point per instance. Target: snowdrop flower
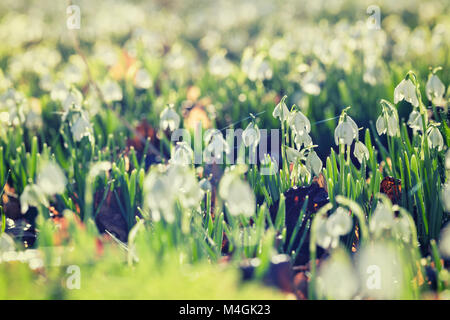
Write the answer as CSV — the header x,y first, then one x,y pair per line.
x,y
217,145
324,238
32,196
111,91
237,194
387,122
299,123
142,79
401,229
99,167
163,188
185,186
444,242
382,218
293,156
51,179
406,90
415,121
336,278
303,172
380,270
346,131
303,139
361,152
169,119
73,97
251,136
387,125
281,111
159,196
435,138
435,89
339,223
183,154
313,163
81,127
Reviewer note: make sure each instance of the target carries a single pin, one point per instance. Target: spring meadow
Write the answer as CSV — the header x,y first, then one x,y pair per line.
x,y
232,150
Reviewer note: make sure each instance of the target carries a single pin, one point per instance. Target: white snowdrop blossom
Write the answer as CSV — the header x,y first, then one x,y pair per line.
x,y
183,154
237,194
163,188
401,229
281,111
435,139
98,167
185,185
51,179
336,278
435,89
251,135
81,127
380,270
324,238
382,219
142,79
299,123
313,163
381,125
73,97
415,121
339,223
32,196
406,90
216,147
293,156
159,196
346,131
111,91
361,152
303,139
388,121
169,119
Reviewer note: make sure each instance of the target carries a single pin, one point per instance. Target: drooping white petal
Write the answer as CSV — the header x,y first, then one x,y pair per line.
x,y
435,88
361,152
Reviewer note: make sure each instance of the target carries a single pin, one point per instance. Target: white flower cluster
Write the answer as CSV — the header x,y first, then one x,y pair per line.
x,y
346,131
300,126
165,187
